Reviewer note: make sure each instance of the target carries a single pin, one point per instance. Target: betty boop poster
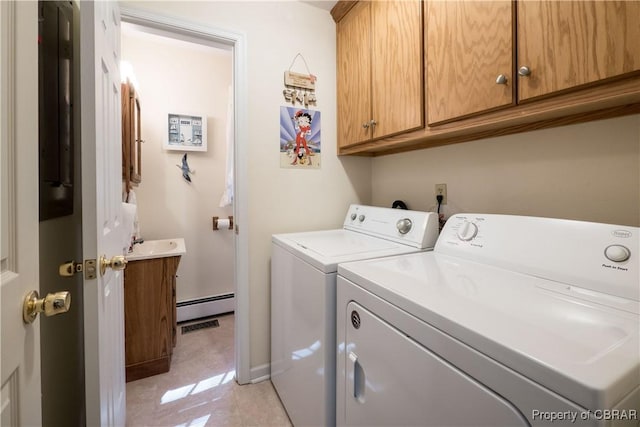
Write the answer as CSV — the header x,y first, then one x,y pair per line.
x,y
299,138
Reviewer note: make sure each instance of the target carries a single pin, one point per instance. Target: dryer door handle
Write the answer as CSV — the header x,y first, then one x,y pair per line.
x,y
359,381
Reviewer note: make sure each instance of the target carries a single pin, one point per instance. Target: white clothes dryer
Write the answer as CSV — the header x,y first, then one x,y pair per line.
x,y
303,306
510,321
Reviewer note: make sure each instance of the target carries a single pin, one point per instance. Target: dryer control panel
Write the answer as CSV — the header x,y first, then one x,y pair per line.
x,y
598,257
413,228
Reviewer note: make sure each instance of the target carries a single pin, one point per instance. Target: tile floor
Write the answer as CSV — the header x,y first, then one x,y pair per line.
x,y
200,389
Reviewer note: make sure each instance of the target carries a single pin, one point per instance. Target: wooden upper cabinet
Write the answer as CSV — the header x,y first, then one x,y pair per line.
x,y
582,62
380,70
566,44
469,47
397,69
131,136
126,131
354,74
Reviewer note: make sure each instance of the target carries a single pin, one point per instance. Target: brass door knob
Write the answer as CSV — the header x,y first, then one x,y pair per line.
x,y
117,262
50,305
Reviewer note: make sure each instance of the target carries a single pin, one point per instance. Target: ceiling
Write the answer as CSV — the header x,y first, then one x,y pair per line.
x,y
322,4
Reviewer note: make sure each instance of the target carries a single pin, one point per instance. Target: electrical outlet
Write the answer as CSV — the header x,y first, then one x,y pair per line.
x,y
441,190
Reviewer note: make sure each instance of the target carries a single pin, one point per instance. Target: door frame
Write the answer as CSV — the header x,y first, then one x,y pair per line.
x,y
217,36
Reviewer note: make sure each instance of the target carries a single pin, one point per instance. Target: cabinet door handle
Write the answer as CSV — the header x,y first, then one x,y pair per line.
x,y
524,71
501,79
365,125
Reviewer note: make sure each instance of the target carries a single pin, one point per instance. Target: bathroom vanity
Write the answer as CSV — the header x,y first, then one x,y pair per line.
x,y
150,308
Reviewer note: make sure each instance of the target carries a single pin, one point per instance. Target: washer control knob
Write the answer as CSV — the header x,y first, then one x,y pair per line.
x,y
467,231
361,218
404,225
617,253
353,217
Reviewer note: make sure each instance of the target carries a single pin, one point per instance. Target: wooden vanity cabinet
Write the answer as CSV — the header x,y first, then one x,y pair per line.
x,y
150,316
380,74
131,136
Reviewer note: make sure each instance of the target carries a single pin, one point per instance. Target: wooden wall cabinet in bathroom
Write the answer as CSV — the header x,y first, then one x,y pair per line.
x,y
131,136
149,316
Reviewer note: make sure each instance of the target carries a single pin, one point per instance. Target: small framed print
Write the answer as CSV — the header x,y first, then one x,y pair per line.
x,y
186,132
300,136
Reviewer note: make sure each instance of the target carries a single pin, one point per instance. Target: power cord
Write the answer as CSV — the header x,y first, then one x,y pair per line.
x,y
441,219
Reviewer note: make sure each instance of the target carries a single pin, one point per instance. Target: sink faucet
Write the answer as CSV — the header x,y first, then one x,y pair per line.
x,y
133,242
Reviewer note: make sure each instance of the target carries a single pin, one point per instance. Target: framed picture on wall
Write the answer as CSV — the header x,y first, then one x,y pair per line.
x,y
300,138
186,132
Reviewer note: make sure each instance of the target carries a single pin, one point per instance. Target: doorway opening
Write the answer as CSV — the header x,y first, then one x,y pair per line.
x,y
209,42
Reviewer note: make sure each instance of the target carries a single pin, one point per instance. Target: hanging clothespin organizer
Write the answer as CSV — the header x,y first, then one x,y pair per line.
x,y
299,87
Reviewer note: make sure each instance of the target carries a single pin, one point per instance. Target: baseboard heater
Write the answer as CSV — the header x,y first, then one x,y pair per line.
x,y
205,307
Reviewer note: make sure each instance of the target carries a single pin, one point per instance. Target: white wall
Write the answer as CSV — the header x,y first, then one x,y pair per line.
x,y
587,172
281,200
184,78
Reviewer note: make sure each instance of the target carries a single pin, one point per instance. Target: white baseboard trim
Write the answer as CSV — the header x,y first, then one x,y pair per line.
x,y
260,373
205,307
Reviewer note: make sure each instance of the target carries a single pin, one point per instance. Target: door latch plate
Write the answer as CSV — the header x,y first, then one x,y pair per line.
x,y
90,270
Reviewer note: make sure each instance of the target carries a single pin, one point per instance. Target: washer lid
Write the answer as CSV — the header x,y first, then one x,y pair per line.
x,y
325,249
584,349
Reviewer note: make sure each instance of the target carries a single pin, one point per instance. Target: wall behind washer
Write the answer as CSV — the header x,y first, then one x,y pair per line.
x,y
588,172
280,200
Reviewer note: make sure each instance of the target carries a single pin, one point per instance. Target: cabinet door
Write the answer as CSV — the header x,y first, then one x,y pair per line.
x,y
126,135
174,306
572,43
148,328
354,75
397,68
469,44
136,139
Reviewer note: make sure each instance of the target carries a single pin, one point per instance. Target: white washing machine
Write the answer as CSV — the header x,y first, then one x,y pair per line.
x,y
510,321
303,306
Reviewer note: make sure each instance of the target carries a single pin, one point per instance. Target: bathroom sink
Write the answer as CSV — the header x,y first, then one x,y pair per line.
x,y
157,249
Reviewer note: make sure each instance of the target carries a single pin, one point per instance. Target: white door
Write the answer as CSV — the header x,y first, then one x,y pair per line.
x,y
20,343
102,228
